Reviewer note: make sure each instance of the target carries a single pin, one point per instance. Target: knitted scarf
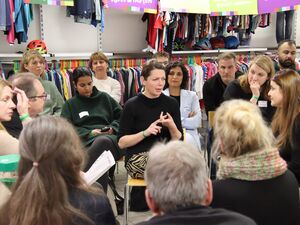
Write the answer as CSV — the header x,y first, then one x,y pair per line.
x,y
258,165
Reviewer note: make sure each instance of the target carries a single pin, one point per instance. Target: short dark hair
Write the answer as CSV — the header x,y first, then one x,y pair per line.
x,y
226,56
25,82
185,73
290,43
161,54
81,71
149,66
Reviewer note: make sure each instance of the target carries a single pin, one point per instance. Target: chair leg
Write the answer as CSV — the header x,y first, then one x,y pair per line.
x,y
126,204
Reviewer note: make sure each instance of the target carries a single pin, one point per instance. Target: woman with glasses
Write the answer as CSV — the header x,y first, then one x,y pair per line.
x,y
34,62
8,144
176,85
285,96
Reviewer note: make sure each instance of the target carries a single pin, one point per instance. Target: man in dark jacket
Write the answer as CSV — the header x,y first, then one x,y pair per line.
x,y
214,87
287,56
179,189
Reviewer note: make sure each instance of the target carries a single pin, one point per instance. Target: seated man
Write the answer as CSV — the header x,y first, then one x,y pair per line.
x,y
179,189
34,91
215,86
36,95
287,56
162,57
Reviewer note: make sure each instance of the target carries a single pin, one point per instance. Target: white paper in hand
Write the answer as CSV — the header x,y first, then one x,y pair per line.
x,y
104,162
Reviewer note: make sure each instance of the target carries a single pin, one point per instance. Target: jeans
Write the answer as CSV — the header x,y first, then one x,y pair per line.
x,y
284,30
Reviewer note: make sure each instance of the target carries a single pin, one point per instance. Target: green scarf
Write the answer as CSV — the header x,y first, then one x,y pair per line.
x,y
258,165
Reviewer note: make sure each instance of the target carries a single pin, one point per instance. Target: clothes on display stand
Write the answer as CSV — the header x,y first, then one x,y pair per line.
x,y
284,25
168,31
88,12
15,17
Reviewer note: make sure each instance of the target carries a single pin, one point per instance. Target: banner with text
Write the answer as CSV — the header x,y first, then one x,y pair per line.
x,y
191,6
149,6
233,7
51,2
269,6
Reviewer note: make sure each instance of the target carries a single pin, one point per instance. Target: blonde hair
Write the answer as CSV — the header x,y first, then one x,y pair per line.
x,y
264,62
3,84
41,193
28,56
239,129
283,120
97,56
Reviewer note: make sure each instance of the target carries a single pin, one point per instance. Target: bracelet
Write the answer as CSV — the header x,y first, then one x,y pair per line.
x,y
144,135
24,117
255,97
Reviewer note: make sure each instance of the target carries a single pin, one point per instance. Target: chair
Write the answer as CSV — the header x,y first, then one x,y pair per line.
x,y
130,183
8,167
211,117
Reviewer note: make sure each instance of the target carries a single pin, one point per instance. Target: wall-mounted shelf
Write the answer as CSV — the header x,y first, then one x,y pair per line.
x,y
219,51
60,56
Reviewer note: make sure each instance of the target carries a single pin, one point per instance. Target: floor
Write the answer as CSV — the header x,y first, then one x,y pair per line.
x,y
120,181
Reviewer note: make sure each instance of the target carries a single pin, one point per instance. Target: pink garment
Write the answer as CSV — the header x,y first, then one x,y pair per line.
x,y
11,32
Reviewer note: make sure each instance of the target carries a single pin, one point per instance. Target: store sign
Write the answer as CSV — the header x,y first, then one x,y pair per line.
x,y
269,6
51,2
186,6
149,6
233,7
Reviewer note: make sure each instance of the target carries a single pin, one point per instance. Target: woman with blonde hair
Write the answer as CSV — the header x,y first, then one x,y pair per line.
x,y
285,96
252,178
9,144
254,85
49,189
34,62
99,65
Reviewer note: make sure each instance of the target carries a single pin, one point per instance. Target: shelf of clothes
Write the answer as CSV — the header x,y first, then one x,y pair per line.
x,y
170,31
128,73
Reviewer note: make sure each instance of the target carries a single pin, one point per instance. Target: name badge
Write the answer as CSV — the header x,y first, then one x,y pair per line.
x,y
262,104
84,113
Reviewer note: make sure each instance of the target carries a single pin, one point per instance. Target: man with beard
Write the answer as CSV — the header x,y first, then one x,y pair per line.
x,y
287,56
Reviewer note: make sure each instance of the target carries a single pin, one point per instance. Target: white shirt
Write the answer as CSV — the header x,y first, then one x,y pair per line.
x,y
110,86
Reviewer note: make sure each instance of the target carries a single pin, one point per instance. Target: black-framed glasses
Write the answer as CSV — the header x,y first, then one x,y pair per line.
x,y
43,96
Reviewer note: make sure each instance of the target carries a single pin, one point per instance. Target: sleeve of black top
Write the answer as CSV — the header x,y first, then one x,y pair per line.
x,y
294,163
209,102
232,91
177,118
126,121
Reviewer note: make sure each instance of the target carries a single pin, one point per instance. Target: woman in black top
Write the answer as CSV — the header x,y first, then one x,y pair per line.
x,y
148,118
284,95
254,86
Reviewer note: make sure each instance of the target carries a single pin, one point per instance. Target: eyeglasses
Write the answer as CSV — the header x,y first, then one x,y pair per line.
x,y
43,96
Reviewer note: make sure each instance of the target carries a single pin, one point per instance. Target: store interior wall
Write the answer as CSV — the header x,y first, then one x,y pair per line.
x,y
124,32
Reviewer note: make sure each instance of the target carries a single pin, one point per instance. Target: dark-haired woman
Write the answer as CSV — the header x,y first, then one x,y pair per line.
x,y
95,115
176,85
148,118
